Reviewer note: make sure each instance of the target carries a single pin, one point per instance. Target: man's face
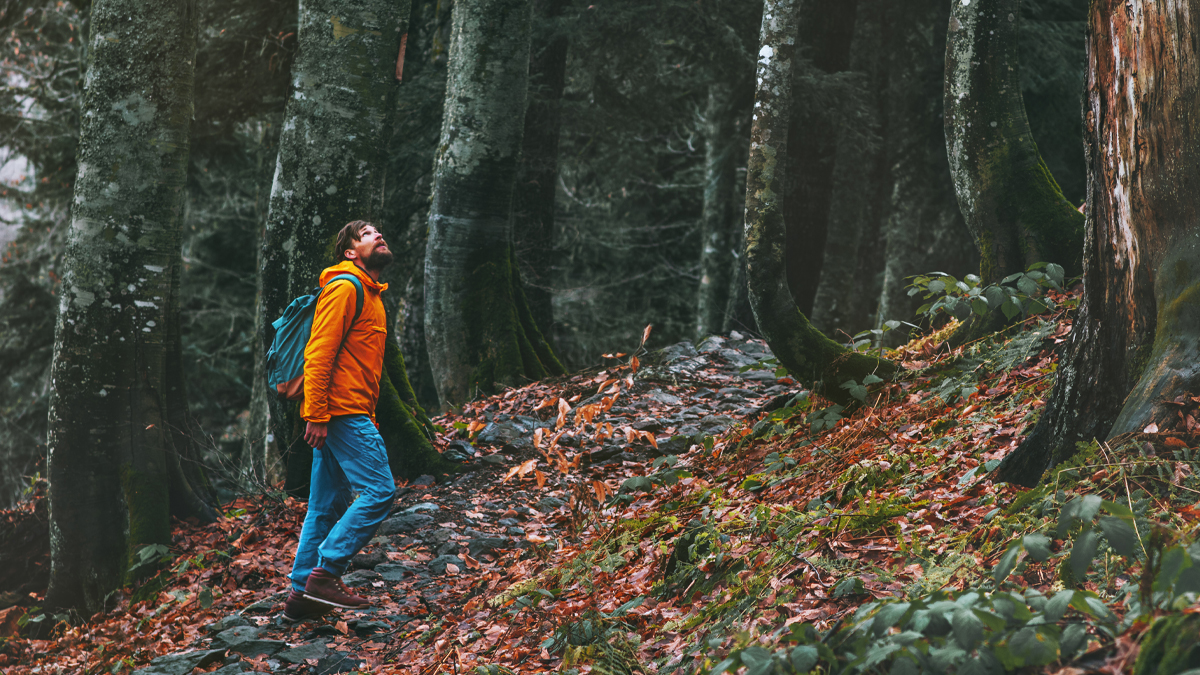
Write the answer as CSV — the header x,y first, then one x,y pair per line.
x,y
371,249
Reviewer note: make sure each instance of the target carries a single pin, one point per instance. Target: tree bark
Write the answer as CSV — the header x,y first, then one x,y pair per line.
x,y
718,221
477,325
825,33
537,182
810,356
331,170
847,294
116,343
1013,207
1133,347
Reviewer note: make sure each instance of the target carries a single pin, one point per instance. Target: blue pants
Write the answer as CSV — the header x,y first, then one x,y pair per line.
x,y
338,525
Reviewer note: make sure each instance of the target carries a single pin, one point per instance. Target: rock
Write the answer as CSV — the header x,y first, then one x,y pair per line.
x,y
737,358
514,432
364,628
548,504
183,663
438,564
675,445
734,335
226,623
438,536
478,547
392,572
648,424
515,532
710,344
759,375
420,508
405,523
460,451
245,641
663,397
404,492
727,392
676,352
509,522
336,662
425,480
493,459
446,548
714,423
361,578
231,669
297,655
369,560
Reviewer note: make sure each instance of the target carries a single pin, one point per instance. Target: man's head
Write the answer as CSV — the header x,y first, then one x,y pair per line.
x,y
361,243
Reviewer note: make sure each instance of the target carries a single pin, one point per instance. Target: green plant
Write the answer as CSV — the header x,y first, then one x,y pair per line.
x,y
1021,293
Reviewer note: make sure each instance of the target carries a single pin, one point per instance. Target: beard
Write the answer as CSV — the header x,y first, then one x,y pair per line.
x,y
378,259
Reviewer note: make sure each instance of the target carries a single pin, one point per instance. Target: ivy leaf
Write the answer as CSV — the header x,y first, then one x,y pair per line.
x,y
968,629
1038,546
804,658
1120,535
1010,309
872,378
1074,638
1083,551
1007,562
1057,606
757,660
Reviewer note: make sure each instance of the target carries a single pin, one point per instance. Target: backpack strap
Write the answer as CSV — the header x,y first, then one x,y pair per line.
x,y
358,307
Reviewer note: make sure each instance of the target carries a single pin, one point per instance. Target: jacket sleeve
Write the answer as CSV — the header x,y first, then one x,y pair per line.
x,y
331,322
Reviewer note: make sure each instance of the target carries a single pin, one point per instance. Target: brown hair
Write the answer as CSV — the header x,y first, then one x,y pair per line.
x,y
346,237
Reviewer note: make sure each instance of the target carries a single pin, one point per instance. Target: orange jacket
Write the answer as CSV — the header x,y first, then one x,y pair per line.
x,y
344,382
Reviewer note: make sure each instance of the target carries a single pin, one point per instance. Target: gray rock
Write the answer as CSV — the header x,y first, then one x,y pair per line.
x,y
493,459
405,523
446,548
237,635
710,344
759,375
183,663
663,397
365,628
688,366
361,578
231,669
336,662
509,522
312,650
226,623
716,423
548,504
675,445
737,358
438,564
369,560
515,532
392,572
438,536
739,391
482,545
423,507
648,424
676,352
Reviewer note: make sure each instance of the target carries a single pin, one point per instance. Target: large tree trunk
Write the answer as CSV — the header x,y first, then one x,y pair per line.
x,y
116,344
810,356
537,173
924,230
478,326
825,33
1013,207
1133,346
718,221
848,291
330,171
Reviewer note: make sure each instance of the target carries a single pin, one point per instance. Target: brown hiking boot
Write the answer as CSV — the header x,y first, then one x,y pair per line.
x,y
327,588
299,608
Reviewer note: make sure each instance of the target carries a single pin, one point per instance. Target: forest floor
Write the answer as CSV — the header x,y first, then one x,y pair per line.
x,y
695,513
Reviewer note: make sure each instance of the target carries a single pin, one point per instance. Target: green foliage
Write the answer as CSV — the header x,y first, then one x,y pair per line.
x,y
1020,294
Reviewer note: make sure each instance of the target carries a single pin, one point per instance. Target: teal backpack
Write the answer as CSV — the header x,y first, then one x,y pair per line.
x,y
285,358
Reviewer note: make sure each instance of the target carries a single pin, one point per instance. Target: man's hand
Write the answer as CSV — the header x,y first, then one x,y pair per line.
x,y
314,434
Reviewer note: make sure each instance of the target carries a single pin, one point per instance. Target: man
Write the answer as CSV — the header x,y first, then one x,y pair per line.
x,y
342,366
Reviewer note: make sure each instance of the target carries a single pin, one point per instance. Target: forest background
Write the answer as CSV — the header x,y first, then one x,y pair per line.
x,y
655,109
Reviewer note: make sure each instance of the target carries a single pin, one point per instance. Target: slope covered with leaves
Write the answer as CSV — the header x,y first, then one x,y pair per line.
x,y
693,513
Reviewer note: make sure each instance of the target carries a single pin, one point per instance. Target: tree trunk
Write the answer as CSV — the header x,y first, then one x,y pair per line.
x,y
477,325
116,343
848,290
810,356
533,199
826,30
718,222
1013,207
1133,347
330,171
924,230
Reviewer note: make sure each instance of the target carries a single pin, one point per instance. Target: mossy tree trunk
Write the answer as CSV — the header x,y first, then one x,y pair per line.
x,y
810,356
1134,346
330,171
478,326
537,173
116,387
719,241
1013,207
825,31
924,230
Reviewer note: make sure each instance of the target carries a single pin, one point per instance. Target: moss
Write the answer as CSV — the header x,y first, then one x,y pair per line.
x,y
148,504
410,450
1171,646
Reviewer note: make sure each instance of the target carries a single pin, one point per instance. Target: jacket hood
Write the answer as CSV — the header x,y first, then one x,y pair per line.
x,y
348,267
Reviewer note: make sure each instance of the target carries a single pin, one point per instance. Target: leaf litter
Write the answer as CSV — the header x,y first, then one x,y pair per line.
x,y
665,512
